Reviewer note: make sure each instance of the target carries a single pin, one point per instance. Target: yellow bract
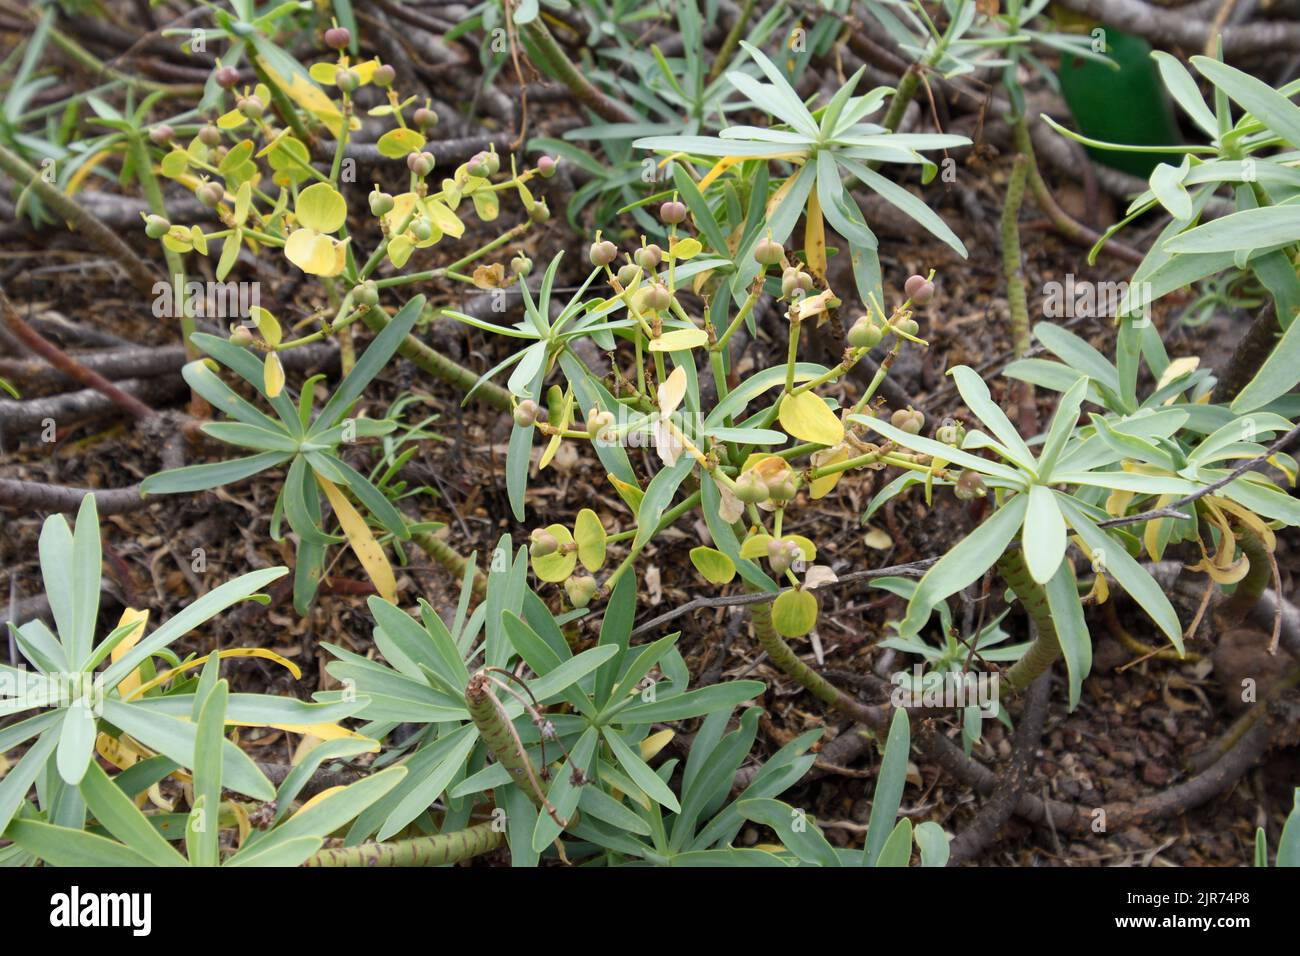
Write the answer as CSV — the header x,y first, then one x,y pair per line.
x,y
321,208
316,254
679,339
273,375
808,418
559,564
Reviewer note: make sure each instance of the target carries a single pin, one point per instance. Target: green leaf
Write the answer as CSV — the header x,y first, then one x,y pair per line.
x,y
76,742
965,563
693,703
796,832
897,850
640,771
1183,89
1246,230
65,847
794,612
933,843
889,787
370,364
85,570
115,810
176,739
326,815
1277,376
217,473
564,794
977,398
1071,628
1265,103
1043,535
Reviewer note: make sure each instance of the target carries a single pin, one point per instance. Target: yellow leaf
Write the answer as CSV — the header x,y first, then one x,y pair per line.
x,y
363,543
814,242
821,487
273,375
655,743
259,652
140,618
806,417
316,254
679,339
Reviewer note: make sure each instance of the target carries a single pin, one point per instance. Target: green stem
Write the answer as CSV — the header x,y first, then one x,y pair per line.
x,y
557,62
731,41
439,366
1011,262
784,657
449,558
1045,648
499,735
439,850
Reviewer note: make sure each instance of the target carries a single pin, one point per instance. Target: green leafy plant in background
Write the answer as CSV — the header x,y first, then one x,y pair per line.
x,y
1251,155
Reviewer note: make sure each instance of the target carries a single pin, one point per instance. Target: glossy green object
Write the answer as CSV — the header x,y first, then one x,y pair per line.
x,y
1128,105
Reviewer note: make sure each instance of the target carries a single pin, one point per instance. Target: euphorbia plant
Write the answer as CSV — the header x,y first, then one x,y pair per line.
x,y
107,696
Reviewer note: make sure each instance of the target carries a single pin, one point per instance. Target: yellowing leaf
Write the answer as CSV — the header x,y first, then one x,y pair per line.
x,y
321,207
651,746
808,418
272,375
679,339
755,546
630,493
363,543
794,613
714,566
140,618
